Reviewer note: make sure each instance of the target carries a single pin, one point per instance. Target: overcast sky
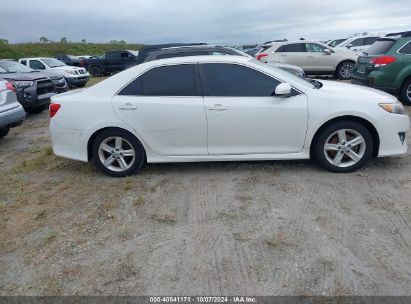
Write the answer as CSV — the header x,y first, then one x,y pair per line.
x,y
212,21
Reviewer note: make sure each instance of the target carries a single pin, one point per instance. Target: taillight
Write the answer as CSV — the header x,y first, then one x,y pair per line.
x,y
54,107
11,87
259,56
383,60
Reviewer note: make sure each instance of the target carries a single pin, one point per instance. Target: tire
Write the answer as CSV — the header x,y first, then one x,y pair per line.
x,y
345,70
405,93
95,71
4,132
120,163
347,157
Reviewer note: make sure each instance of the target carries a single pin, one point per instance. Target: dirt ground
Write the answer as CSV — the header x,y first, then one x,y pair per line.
x,y
264,228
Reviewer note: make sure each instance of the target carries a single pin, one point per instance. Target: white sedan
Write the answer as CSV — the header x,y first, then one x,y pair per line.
x,y
223,108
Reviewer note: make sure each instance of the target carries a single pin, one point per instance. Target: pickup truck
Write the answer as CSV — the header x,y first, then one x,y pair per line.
x,y
120,60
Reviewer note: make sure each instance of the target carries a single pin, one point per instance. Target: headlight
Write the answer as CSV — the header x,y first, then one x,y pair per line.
x,y
22,83
395,108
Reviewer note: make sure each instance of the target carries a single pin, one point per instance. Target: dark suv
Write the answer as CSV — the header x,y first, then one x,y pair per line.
x,y
33,89
386,66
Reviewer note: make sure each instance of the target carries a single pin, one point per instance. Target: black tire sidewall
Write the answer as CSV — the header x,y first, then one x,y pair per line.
x,y
137,146
95,68
339,67
404,97
327,131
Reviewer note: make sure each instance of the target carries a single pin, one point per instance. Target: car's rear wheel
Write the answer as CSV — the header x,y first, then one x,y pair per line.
x,y
343,147
118,153
4,132
405,94
95,71
345,70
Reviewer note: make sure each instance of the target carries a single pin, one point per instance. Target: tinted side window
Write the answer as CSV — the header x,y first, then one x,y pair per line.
x,y
236,80
36,65
370,40
357,42
111,56
23,62
173,80
295,47
406,49
311,47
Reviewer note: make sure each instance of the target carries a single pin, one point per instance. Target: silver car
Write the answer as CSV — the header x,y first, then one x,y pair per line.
x,y
11,112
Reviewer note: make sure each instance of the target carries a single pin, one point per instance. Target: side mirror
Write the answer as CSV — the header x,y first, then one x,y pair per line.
x,y
283,90
327,52
349,46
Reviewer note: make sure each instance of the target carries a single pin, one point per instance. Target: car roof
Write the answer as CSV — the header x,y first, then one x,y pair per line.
x,y
199,59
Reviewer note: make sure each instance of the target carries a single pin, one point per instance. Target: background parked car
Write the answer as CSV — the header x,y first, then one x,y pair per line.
x,y
11,112
334,43
111,62
70,60
313,57
386,66
357,44
75,76
116,61
203,50
33,89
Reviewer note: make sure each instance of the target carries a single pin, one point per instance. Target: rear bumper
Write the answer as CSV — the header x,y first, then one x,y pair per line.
x,y
389,129
366,82
12,117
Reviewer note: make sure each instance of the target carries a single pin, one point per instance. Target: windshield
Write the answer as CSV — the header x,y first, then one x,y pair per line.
x,y
13,67
381,46
53,63
281,72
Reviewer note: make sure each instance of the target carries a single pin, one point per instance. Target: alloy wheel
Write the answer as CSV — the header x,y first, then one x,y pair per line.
x,y
344,148
409,92
116,154
346,70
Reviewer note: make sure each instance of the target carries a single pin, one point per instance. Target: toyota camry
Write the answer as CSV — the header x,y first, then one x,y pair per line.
x,y
224,108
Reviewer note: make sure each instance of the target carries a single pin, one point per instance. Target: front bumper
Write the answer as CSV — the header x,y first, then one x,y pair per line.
x,y
61,85
77,81
12,117
389,129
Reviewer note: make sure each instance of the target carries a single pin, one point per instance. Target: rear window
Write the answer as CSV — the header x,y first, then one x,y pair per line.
x,y
381,46
264,48
173,80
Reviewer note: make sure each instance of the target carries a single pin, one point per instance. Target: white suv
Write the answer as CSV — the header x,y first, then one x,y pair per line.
x,y
315,58
357,44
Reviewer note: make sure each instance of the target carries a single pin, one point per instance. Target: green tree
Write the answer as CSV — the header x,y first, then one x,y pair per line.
x,y
43,39
63,40
84,41
4,41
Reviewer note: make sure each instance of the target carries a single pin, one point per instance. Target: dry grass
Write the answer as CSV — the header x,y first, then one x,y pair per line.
x,y
278,241
28,165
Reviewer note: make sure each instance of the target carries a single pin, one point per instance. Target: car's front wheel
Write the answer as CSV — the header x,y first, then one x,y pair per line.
x,y
118,153
345,70
343,147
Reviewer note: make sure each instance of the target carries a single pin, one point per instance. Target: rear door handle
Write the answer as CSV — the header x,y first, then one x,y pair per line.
x,y
127,107
283,55
217,107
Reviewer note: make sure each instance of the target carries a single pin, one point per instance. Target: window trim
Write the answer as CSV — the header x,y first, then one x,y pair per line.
x,y
204,86
404,45
288,44
199,89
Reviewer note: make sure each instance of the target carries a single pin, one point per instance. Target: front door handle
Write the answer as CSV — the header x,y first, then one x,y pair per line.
x,y
217,107
127,107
